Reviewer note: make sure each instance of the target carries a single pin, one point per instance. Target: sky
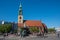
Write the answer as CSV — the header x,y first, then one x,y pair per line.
x,y
47,11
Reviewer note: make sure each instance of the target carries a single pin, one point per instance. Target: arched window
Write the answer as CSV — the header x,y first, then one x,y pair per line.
x,y
20,17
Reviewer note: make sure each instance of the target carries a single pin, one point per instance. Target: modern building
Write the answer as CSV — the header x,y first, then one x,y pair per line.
x,y
4,22
29,23
57,29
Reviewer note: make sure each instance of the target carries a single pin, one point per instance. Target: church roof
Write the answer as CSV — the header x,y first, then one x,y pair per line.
x,y
44,25
33,23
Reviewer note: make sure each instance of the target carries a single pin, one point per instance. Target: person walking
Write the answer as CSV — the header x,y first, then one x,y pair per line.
x,y
58,35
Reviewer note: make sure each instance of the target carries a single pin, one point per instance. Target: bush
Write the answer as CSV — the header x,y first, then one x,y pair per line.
x,y
34,29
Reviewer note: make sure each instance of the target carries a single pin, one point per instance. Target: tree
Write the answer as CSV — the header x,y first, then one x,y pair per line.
x,y
5,28
51,30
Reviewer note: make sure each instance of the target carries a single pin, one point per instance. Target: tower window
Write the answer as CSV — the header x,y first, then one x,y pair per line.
x,y
20,17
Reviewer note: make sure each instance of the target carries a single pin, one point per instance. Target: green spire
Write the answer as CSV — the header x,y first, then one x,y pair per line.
x,y
20,9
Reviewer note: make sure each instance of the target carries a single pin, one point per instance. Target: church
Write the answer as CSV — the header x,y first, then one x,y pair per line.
x,y
29,23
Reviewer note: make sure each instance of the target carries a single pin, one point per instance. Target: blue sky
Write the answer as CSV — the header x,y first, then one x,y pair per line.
x,y
48,11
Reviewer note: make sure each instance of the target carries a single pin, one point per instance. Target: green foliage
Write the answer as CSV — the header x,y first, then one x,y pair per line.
x,y
34,29
51,29
5,28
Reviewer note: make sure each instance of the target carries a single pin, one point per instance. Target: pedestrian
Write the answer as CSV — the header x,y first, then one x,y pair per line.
x,y
58,34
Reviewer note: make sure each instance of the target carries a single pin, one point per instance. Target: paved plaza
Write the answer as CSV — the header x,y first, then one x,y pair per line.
x,y
46,37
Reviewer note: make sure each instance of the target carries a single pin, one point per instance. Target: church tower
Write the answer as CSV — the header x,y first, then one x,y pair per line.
x,y
20,15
